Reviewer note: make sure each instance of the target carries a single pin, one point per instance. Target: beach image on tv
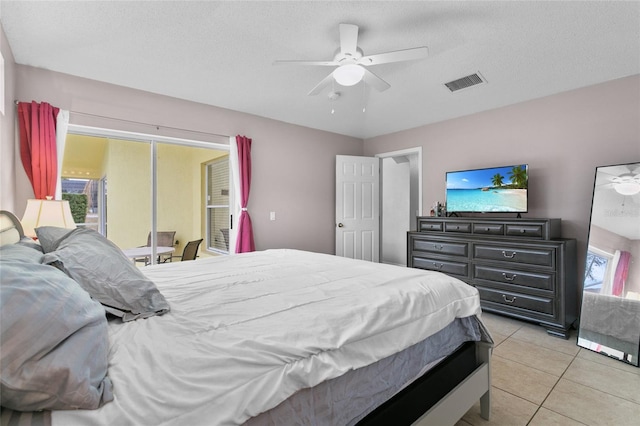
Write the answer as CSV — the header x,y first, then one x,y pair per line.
x,y
498,189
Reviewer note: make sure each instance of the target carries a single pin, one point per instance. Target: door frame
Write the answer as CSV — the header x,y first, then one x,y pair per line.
x,y
400,153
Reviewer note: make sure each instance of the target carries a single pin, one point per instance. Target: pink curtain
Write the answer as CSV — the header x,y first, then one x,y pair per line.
x,y
621,274
245,231
38,146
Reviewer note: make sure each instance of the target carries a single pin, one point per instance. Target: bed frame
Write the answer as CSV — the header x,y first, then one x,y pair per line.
x,y
10,228
444,394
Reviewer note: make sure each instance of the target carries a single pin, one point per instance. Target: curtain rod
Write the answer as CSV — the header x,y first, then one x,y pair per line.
x,y
158,127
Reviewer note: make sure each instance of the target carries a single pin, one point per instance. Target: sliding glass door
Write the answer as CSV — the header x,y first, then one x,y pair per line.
x,y
182,197
152,185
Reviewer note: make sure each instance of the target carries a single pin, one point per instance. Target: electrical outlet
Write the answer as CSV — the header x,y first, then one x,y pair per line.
x,y
272,216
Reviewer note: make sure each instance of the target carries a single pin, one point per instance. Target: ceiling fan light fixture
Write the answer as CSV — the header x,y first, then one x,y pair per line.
x,y
627,188
627,184
348,75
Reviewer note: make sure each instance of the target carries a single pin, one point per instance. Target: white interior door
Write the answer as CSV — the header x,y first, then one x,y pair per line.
x,y
358,207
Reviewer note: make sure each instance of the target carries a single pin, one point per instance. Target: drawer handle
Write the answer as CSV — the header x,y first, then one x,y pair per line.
x,y
504,296
438,247
488,229
509,278
523,231
438,265
511,256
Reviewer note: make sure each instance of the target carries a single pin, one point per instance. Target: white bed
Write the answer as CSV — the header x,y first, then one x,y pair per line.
x,y
249,337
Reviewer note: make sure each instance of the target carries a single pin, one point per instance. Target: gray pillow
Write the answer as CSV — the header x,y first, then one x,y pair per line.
x,y
20,253
28,242
48,236
54,341
101,268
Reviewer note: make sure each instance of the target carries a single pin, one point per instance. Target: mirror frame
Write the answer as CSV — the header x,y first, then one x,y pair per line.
x,y
610,314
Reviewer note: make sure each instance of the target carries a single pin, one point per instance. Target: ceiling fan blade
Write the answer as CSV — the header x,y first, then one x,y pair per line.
x,y
375,81
395,56
324,83
322,63
348,39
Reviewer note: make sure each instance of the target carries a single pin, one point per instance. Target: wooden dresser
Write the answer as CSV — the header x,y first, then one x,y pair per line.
x,y
520,266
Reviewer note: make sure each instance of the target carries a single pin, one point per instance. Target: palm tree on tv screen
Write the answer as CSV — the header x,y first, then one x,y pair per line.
x,y
497,180
518,176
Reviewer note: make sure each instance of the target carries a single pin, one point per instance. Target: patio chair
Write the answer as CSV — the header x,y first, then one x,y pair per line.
x,y
225,235
190,251
163,239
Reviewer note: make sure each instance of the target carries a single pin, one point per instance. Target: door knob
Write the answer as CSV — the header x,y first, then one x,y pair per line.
x,y
340,225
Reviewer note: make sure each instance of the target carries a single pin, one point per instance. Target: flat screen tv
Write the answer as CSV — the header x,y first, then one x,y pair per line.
x,y
495,189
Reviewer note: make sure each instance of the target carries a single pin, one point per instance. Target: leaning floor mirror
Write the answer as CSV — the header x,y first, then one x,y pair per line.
x,y
610,315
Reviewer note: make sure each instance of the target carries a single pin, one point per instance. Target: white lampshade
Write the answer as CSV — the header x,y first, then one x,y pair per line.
x,y
348,75
46,213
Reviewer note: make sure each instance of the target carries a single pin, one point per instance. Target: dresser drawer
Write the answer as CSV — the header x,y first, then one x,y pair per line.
x,y
541,305
488,228
525,230
542,280
430,226
441,247
462,227
538,256
457,269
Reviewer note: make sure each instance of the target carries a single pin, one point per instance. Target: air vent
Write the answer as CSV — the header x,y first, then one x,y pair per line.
x,y
465,82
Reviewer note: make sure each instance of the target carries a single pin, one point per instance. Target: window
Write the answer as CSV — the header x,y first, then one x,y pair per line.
x,y
217,204
82,195
596,270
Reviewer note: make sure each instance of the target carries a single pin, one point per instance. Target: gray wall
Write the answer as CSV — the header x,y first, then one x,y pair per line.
x,y
293,170
7,129
563,138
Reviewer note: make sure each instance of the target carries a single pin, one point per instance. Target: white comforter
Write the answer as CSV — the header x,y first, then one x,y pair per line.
x,y
247,331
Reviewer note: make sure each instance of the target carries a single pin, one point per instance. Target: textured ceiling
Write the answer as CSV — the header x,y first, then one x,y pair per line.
x,y
222,53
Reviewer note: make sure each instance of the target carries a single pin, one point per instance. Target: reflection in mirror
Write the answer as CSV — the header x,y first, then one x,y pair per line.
x,y
610,315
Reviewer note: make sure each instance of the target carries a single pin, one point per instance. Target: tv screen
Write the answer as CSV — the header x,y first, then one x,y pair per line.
x,y
495,189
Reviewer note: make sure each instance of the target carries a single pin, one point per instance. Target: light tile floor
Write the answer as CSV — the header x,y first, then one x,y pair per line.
x,y
539,380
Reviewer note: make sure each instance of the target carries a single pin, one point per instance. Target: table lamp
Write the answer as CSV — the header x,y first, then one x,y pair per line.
x,y
46,213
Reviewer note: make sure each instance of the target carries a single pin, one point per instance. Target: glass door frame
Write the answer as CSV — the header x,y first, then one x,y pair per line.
x,y
153,140
209,207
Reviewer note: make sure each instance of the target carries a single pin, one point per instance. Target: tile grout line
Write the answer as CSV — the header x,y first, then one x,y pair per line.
x,y
604,392
551,391
538,406
574,358
617,365
604,365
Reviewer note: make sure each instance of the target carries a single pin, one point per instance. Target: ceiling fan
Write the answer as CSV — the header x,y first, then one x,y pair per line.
x,y
625,180
351,63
